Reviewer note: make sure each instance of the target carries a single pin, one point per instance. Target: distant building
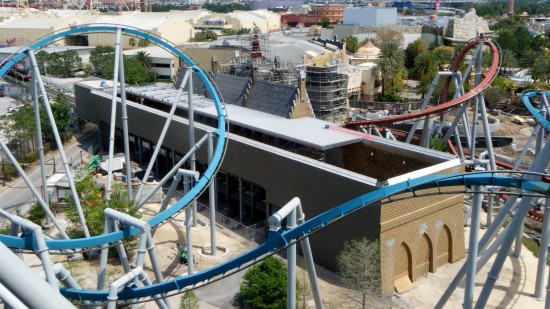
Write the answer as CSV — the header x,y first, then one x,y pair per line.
x,y
370,16
163,63
470,26
334,12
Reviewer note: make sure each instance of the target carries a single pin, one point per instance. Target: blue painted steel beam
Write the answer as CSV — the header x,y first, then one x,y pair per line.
x,y
278,240
220,132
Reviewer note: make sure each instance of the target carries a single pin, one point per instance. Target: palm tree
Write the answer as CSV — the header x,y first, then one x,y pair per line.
x,y
391,60
508,60
144,59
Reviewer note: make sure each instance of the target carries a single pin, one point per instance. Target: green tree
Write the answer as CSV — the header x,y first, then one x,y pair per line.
x,y
388,36
132,42
264,285
508,60
352,44
135,72
93,205
494,96
143,43
358,266
389,65
189,301
324,22
144,59
205,36
42,59
64,64
414,49
101,58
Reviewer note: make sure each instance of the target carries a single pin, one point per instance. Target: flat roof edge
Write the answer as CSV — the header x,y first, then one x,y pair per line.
x,y
430,170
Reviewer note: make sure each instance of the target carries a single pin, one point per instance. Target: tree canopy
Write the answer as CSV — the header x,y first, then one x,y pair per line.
x,y
204,36
359,269
264,285
62,64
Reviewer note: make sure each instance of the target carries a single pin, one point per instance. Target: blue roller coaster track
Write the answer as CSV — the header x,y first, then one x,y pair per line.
x,y
275,240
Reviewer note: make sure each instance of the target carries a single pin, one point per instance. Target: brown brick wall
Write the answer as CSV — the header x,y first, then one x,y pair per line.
x,y
419,234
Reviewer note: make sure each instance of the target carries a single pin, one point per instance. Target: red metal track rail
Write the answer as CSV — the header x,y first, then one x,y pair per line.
x,y
433,110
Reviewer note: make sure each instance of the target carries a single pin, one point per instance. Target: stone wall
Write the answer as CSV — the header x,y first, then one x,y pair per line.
x,y
418,235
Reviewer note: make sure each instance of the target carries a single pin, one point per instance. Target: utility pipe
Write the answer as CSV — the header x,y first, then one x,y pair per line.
x,y
188,232
291,265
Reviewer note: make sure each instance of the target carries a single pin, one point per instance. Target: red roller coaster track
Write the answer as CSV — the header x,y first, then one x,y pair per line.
x,y
438,109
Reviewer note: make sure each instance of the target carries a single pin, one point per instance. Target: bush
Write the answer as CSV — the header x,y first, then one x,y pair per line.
x,y
189,301
264,285
389,96
9,172
36,214
30,156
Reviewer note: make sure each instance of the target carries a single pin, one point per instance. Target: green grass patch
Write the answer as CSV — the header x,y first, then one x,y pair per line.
x,y
534,247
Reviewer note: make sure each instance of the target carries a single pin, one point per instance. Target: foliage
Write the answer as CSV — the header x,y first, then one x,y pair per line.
x,y
436,143
132,42
505,83
414,49
62,64
389,96
390,65
135,68
36,214
204,36
324,22
93,205
189,301
352,44
232,31
264,285
497,8
144,59
494,96
444,54
101,58
143,43
384,36
9,171
359,268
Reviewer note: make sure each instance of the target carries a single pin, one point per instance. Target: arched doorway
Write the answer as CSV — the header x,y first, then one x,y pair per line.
x,y
403,262
424,258
444,247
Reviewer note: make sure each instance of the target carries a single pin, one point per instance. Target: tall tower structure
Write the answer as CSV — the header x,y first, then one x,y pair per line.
x,y
510,10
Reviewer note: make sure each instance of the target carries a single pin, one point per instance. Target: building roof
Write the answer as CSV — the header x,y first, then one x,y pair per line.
x,y
32,22
368,50
273,98
305,131
152,51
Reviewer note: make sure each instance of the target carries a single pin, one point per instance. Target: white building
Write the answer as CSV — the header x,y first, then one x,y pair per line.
x,y
164,64
370,16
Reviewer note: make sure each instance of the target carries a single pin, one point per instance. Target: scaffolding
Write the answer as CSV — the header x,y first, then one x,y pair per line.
x,y
327,89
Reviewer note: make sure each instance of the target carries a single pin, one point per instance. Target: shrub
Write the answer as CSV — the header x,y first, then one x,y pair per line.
x,y
264,285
